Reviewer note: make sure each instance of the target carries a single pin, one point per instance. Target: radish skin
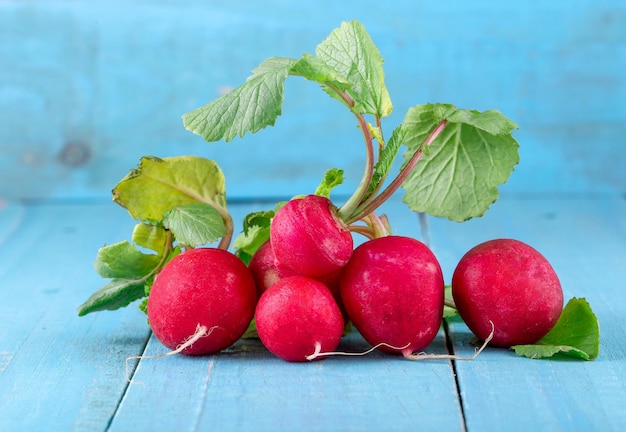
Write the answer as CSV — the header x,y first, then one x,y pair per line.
x,y
202,288
308,237
393,291
298,316
510,284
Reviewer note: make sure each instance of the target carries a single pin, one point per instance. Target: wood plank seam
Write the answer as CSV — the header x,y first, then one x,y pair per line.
x,y
450,348
128,383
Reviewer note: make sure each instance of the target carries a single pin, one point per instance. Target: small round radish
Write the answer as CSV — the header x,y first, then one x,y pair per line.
x,y
266,273
393,291
510,284
202,288
309,238
298,316
332,281
265,269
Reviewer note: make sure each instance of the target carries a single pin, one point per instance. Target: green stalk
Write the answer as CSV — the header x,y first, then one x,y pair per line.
x,y
371,205
381,229
365,230
450,303
348,207
230,228
353,202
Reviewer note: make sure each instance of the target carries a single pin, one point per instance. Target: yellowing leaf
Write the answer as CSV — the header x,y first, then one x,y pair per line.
x,y
158,185
149,236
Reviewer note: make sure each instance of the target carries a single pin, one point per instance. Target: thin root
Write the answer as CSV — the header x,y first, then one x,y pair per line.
x,y
418,356
201,331
425,356
318,353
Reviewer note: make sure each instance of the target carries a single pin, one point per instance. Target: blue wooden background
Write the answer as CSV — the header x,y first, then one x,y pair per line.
x,y
87,88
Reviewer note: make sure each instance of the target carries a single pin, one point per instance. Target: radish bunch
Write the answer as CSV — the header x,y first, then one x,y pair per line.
x,y
391,288
305,280
306,283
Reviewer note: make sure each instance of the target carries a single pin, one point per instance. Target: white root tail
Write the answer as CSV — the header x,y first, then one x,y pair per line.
x,y
425,356
201,331
418,356
318,349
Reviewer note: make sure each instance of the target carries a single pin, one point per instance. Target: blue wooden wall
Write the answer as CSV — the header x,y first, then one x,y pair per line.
x,y
86,88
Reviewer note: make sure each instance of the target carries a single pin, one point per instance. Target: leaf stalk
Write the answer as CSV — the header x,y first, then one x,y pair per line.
x,y
372,204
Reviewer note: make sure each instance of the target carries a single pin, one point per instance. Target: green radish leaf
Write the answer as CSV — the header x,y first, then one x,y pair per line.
x,y
158,185
315,69
332,178
576,334
387,157
143,306
347,61
246,244
249,108
114,295
256,231
124,261
195,224
350,52
260,219
153,237
491,121
458,178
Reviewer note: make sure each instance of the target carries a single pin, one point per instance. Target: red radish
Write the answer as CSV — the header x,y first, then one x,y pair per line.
x,y
266,273
511,284
298,316
308,237
264,268
332,281
393,291
207,289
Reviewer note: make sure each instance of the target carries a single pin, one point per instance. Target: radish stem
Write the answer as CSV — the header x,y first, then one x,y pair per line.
x,y
371,205
353,202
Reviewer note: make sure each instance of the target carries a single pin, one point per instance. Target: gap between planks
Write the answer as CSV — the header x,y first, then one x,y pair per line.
x,y
129,379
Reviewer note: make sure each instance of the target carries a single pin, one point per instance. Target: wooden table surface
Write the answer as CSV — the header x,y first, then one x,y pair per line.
x,y
63,372
86,89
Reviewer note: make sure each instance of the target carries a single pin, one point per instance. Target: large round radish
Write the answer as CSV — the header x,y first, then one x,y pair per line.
x,y
297,317
393,291
510,284
208,289
309,238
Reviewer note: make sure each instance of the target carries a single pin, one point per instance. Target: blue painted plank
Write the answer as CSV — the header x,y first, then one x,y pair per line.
x,y
585,240
88,88
59,371
77,364
246,388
